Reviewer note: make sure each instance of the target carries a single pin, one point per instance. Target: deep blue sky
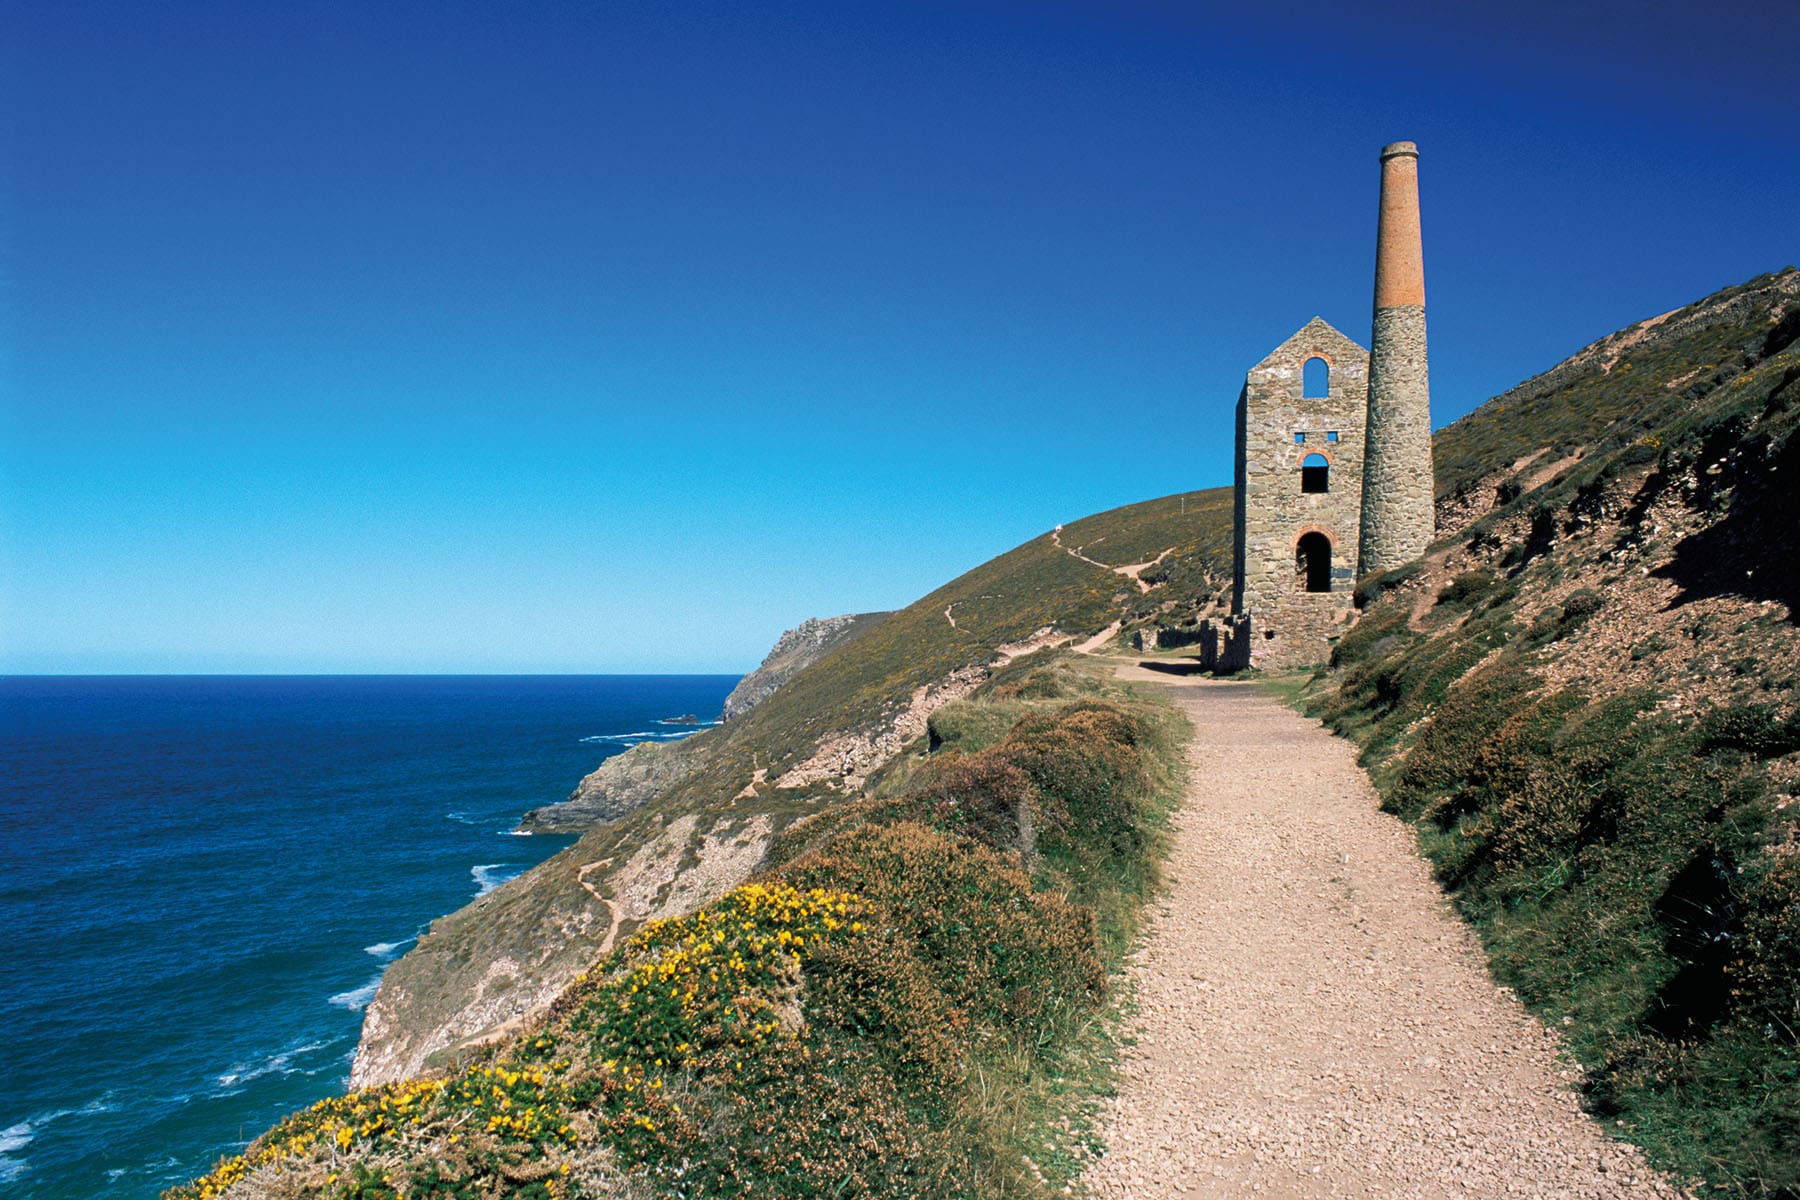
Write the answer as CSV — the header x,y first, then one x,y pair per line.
x,y
619,337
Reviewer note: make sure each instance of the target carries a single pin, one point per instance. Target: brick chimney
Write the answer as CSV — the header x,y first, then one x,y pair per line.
x,y
1398,494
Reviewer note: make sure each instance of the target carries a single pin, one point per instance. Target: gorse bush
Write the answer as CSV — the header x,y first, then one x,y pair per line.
x,y
839,1027
990,944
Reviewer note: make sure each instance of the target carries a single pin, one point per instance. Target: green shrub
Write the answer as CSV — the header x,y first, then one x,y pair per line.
x,y
992,945
1467,588
1449,749
1579,605
1766,965
962,725
983,796
1368,638
1371,588
1755,729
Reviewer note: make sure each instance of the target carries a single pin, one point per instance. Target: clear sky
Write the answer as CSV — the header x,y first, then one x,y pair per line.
x,y
620,336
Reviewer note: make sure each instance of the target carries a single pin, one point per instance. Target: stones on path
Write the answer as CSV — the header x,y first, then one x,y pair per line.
x,y
1312,1018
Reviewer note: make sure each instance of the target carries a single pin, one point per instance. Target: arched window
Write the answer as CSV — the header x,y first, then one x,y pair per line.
x,y
1316,380
1315,473
1312,563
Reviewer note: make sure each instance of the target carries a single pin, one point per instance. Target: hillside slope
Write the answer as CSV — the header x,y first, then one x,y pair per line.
x,y
806,746
1585,697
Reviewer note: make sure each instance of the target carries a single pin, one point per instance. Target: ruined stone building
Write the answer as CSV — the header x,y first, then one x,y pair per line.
x,y
1333,458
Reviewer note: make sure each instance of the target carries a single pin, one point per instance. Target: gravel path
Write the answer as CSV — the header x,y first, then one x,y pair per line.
x,y
1314,1020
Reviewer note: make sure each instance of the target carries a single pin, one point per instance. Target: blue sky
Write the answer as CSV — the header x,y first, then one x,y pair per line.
x,y
619,337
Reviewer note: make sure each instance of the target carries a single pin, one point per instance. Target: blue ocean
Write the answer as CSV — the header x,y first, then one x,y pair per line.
x,y
205,876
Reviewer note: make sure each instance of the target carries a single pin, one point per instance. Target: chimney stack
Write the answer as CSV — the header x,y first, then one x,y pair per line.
x,y
1398,503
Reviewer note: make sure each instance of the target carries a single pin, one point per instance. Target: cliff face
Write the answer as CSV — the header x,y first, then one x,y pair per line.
x,y
626,782
619,785
794,651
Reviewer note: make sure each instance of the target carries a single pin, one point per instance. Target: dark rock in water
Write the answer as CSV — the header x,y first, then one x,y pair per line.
x,y
683,719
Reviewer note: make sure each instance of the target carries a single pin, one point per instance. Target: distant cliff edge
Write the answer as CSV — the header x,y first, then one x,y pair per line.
x,y
794,651
626,782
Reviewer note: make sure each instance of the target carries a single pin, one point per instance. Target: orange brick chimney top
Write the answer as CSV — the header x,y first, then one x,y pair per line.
x,y
1399,257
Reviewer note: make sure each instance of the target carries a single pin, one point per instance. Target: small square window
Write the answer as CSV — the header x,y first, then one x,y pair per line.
x,y
1299,439
1331,436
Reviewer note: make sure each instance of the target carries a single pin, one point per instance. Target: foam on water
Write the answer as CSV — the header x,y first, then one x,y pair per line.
x,y
489,876
14,1138
356,999
17,1136
644,735
275,1064
385,950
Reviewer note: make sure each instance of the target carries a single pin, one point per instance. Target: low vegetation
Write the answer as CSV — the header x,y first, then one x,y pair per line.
x,y
1584,698
909,1000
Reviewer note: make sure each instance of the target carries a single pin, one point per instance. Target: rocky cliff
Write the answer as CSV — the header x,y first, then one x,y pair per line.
x,y
626,782
617,786
795,650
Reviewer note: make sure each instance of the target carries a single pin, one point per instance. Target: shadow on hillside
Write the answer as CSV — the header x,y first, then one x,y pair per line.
x,y
1750,552
1178,667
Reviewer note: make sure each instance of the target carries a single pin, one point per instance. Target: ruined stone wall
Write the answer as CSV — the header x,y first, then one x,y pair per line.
x,y
1225,645
1274,513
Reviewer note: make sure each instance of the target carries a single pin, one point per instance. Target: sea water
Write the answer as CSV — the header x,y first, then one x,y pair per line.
x,y
204,877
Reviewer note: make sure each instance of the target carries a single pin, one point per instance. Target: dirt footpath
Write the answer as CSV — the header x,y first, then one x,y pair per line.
x,y
1314,1020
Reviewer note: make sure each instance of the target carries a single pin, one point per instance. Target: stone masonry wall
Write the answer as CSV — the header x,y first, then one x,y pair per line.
x,y
1225,645
1397,509
1291,624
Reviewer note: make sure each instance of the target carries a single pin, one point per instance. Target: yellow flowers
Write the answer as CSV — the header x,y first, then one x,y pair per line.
x,y
720,979
338,1122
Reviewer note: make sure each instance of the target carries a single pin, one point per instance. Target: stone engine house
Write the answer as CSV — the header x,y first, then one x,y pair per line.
x,y
1300,444
1333,459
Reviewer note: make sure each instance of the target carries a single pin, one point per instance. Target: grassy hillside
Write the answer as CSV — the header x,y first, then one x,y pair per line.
x,y
1585,697
1038,585
1623,388
905,1002
704,834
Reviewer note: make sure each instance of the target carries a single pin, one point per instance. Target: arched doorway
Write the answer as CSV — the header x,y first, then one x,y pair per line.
x,y
1312,562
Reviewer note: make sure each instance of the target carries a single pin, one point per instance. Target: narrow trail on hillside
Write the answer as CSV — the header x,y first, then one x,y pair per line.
x,y
1131,571
1313,1019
